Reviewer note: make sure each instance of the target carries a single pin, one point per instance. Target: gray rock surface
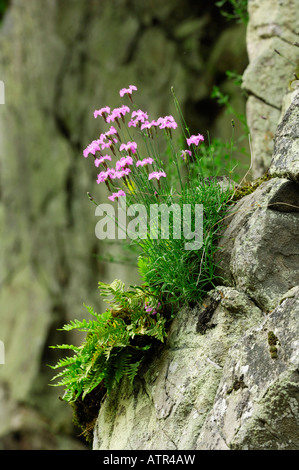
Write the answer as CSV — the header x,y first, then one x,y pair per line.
x,y
259,248
256,406
273,27
233,385
171,399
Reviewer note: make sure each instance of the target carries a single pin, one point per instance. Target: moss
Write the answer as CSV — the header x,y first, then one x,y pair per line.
x,y
250,187
272,341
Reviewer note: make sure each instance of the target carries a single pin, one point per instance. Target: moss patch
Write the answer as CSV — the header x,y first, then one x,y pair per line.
x,y
250,187
237,385
272,341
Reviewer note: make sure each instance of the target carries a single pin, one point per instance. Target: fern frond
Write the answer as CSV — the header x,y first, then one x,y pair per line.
x,y
110,350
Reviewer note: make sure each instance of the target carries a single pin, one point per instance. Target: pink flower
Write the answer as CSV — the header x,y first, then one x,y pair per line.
x,y
184,153
102,177
122,173
105,145
148,125
140,115
129,146
100,160
157,175
124,109
117,195
195,139
118,113
93,147
150,309
111,131
127,91
111,173
123,162
132,123
145,161
101,111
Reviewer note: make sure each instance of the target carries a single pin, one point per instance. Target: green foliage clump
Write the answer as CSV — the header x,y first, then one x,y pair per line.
x,y
115,343
183,276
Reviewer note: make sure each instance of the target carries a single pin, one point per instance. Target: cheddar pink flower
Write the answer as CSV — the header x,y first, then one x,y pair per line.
x,y
195,139
117,195
93,147
127,91
145,161
167,122
101,112
185,153
122,173
102,177
140,117
100,160
157,175
118,113
129,146
123,162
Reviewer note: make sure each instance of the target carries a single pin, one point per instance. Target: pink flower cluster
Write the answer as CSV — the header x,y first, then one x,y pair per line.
x,y
117,113
100,160
157,175
102,143
129,147
117,195
195,139
141,118
185,153
124,161
111,140
111,173
127,91
137,117
145,161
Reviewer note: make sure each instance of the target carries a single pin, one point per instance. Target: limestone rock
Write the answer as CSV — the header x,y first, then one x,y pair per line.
x,y
233,385
285,160
257,402
262,121
273,28
259,248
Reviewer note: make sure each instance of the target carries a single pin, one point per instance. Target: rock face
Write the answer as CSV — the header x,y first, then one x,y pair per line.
x,y
273,28
228,377
259,252
256,406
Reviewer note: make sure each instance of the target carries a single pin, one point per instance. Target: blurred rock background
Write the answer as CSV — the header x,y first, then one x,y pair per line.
x,y
59,61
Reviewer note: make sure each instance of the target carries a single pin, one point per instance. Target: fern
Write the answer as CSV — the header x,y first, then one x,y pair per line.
x,y
115,344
